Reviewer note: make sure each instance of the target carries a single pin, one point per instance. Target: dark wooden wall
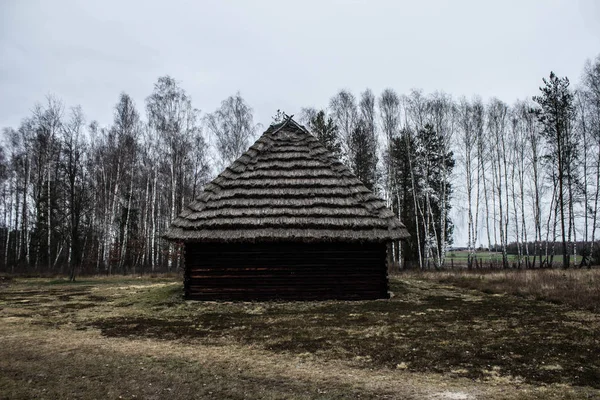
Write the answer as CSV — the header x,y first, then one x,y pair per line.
x,y
292,271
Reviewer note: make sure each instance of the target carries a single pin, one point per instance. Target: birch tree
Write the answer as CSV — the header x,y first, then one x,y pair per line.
x,y
468,160
47,120
72,166
231,126
389,112
176,124
344,112
590,118
497,124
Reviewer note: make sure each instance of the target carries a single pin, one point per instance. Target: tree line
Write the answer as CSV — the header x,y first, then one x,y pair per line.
x,y
79,196
524,178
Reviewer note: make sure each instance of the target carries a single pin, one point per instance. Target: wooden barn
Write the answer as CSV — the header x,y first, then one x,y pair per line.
x,y
286,220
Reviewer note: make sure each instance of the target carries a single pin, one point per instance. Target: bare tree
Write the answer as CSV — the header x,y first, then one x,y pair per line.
x,y
176,123
345,116
467,157
389,112
74,183
48,122
232,127
363,143
443,119
497,121
590,119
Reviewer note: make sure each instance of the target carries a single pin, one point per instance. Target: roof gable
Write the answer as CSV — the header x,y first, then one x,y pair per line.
x,y
287,186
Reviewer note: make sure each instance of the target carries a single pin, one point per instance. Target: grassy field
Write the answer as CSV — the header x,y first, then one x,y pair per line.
x,y
137,338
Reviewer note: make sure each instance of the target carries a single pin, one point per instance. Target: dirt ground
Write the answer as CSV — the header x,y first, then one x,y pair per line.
x,y
137,338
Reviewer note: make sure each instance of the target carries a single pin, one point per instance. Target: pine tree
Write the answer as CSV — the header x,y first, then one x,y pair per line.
x,y
364,157
556,112
326,131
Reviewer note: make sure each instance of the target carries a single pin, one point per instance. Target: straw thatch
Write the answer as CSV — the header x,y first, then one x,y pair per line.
x,y
287,186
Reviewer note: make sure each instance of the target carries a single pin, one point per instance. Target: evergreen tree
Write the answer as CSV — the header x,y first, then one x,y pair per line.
x,y
403,203
364,155
556,112
421,166
326,131
434,167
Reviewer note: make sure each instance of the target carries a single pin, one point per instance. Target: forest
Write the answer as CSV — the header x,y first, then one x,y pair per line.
x,y
523,178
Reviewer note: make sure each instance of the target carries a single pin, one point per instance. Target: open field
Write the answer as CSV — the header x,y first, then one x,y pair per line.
x,y
136,338
461,257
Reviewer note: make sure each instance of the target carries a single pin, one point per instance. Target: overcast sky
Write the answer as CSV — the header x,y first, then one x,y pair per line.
x,y
281,54
285,55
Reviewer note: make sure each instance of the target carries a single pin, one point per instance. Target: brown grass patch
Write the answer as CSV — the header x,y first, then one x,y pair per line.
x,y
576,287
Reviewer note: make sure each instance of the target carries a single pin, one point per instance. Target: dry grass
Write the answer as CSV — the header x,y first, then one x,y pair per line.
x,y
136,338
576,287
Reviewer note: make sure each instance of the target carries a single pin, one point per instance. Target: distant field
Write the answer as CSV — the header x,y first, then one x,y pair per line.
x,y
137,338
462,256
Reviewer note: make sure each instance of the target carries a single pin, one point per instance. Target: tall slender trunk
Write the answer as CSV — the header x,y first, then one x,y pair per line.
x,y
561,204
25,210
441,246
437,260
124,243
153,217
522,196
596,198
552,211
414,193
486,198
572,236
18,241
49,219
8,224
145,223
470,222
494,208
537,210
514,202
111,223
171,217
477,207
501,152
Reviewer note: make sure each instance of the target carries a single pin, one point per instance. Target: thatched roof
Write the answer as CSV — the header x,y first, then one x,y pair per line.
x,y
287,186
